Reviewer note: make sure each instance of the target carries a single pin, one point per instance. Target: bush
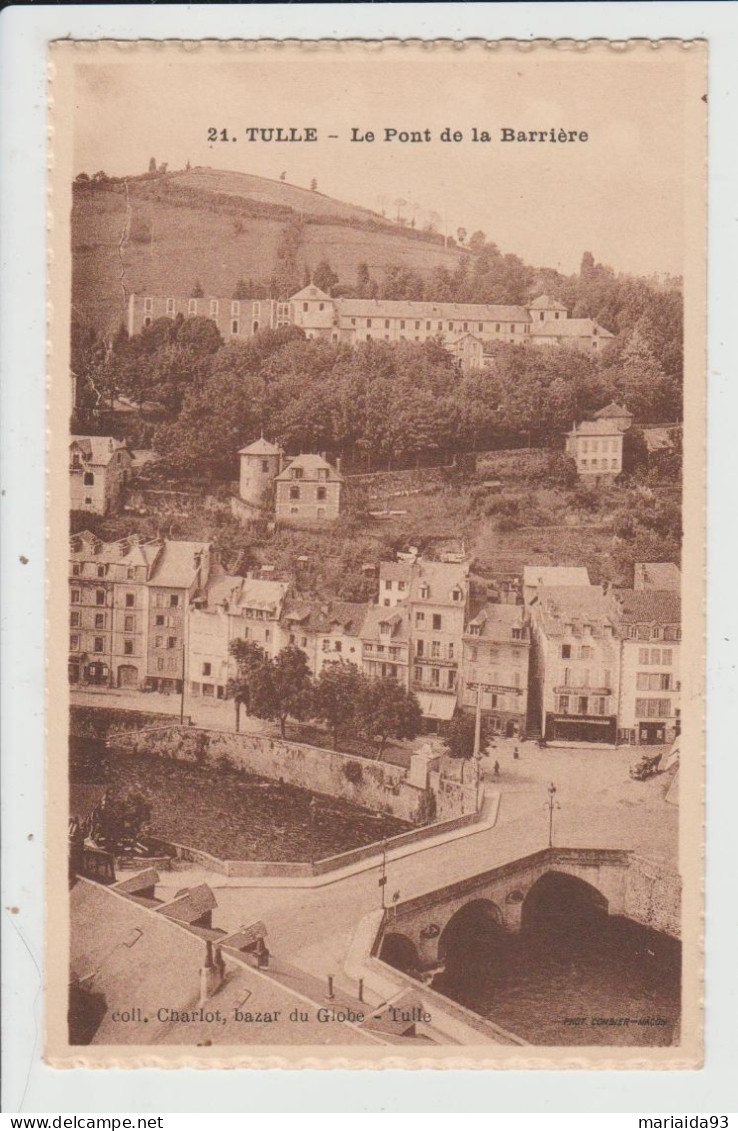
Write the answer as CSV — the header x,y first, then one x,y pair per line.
x,y
354,772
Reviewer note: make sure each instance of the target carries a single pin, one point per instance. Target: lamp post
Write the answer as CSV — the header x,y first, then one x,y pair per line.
x,y
551,805
382,882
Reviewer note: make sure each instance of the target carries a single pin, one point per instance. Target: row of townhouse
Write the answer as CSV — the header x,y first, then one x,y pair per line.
x,y
465,328
579,662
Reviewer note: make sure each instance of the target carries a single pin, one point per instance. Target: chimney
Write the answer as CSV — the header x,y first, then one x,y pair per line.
x,y
211,974
338,464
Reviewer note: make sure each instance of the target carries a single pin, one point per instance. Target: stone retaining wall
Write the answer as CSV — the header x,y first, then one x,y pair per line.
x,y
372,785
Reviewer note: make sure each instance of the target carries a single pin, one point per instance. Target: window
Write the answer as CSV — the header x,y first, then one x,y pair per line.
x,y
173,601
419,618
322,493
566,651
583,705
294,492
129,624
456,595
128,647
368,323
160,664
642,681
158,641
74,619
450,651
473,655
192,306
424,592
418,674
170,306
419,647
585,652
76,569
213,308
148,305
517,634
643,655
99,620
73,643
160,620
436,649
401,585
607,678
171,642
655,655
207,669
75,596
99,644
88,479
402,323
653,708
451,679
234,326
388,584
437,622
99,596
337,646
666,656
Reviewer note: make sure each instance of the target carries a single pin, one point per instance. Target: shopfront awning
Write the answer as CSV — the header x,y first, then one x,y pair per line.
x,y
436,706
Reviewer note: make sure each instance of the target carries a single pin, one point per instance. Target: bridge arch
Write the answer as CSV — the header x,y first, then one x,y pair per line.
x,y
558,897
470,919
401,952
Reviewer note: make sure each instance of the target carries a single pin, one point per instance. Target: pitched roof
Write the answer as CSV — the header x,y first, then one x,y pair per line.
x,y
326,616
398,618
176,567
658,439
596,428
457,311
395,571
310,465
98,450
440,577
544,302
575,605
260,447
569,328
612,411
310,292
649,606
496,621
555,575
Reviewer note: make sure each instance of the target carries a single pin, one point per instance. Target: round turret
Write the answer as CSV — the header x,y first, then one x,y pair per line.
x,y
260,463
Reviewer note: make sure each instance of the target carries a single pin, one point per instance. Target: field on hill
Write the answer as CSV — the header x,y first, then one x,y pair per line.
x,y
174,242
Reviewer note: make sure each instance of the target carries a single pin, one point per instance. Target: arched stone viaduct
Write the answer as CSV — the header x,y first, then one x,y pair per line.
x,y
616,881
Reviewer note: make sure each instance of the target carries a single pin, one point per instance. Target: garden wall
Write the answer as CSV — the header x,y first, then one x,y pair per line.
x,y
373,785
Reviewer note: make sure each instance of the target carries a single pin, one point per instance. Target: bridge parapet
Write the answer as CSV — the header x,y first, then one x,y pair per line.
x,y
619,882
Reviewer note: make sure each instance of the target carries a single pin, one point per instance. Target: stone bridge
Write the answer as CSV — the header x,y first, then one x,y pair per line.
x,y
614,881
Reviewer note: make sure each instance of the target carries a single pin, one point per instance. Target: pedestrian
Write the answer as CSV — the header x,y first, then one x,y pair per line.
x,y
497,769
516,754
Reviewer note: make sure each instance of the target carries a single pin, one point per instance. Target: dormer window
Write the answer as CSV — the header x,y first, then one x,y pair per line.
x,y
76,460
424,592
385,628
475,630
322,473
456,595
297,473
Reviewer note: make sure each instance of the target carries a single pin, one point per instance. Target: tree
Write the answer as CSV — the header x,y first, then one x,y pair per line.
x,y
250,661
338,690
459,739
120,821
152,165
477,241
325,277
283,688
387,711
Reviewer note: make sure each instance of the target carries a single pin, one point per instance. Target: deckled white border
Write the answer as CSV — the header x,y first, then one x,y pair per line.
x,y
24,35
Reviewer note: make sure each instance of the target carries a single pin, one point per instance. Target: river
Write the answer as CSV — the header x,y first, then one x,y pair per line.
x,y
566,976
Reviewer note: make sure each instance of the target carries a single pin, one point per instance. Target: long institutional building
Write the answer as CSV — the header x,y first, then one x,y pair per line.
x,y
465,328
553,655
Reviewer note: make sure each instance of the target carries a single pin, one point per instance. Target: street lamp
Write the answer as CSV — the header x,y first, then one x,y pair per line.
x,y
551,804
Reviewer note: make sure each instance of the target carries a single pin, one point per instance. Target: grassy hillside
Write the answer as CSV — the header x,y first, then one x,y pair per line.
x,y
219,227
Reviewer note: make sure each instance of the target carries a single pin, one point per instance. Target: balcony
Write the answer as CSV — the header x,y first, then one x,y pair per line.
x,y
577,689
435,688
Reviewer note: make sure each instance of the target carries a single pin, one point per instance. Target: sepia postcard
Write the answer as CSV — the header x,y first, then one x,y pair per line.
x,y
376,551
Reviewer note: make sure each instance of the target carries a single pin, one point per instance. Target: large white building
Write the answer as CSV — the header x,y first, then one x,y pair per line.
x,y
465,328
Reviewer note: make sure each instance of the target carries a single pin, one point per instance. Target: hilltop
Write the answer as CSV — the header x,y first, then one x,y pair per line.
x,y
163,232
